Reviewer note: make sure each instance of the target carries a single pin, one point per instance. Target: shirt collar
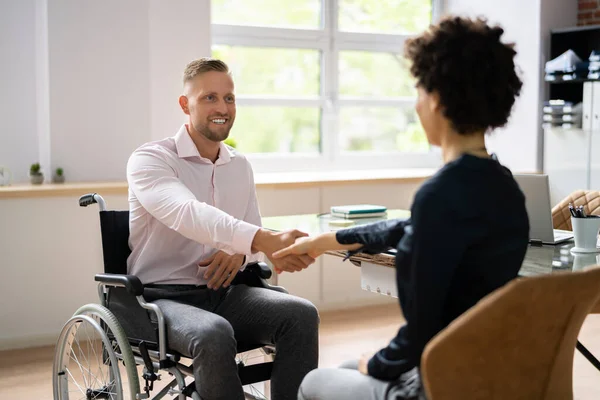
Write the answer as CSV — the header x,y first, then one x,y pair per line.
x,y
187,148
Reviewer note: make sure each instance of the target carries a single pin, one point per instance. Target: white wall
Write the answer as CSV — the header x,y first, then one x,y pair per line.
x,y
99,85
178,34
91,80
18,106
526,23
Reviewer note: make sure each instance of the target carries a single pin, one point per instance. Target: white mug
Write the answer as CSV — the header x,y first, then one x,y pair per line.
x,y
585,231
5,176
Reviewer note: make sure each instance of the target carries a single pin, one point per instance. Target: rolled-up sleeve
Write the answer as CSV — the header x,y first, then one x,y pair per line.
x,y
157,187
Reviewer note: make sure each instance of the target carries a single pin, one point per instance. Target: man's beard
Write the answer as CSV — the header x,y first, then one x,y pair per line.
x,y
213,135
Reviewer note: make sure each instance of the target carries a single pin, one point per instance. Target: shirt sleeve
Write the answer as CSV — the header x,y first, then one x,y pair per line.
x,y
437,239
376,237
155,184
253,217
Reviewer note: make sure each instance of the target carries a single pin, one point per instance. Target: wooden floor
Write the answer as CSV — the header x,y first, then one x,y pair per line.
x,y
26,374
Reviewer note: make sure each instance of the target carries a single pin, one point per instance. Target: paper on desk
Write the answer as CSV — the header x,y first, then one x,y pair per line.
x,y
387,260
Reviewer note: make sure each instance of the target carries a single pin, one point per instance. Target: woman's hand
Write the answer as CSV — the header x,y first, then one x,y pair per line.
x,y
310,246
363,364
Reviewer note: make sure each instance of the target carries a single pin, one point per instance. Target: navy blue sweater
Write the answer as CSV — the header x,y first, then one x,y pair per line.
x,y
467,236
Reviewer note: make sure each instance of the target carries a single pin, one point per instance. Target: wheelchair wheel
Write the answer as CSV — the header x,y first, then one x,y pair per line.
x,y
86,361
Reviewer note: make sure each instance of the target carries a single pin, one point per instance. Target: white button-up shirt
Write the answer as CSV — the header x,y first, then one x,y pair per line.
x,y
183,208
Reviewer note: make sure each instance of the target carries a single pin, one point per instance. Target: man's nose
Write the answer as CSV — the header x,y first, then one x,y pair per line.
x,y
222,107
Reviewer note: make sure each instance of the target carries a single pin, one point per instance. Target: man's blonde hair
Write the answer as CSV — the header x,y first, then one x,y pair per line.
x,y
202,65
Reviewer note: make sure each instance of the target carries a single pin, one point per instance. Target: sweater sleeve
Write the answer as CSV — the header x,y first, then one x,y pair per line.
x,y
375,237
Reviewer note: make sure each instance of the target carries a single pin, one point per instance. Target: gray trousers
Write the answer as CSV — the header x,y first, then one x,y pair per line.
x,y
348,383
205,325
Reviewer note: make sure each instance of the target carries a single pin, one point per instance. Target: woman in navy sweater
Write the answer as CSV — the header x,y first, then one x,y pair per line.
x,y
468,230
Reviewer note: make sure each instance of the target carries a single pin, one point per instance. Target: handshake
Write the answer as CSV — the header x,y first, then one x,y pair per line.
x,y
282,249
289,251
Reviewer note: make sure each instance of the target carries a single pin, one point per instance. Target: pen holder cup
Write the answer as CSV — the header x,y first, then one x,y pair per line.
x,y
585,231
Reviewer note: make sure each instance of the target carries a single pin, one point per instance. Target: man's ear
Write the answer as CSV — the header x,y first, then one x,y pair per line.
x,y
183,103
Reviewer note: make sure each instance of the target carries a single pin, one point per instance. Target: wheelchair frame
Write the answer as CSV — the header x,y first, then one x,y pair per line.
x,y
105,325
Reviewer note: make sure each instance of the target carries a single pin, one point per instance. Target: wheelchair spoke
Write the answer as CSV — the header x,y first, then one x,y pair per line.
x,y
74,357
253,393
75,382
91,348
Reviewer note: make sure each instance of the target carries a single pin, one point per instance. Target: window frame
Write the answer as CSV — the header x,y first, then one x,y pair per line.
x,y
329,41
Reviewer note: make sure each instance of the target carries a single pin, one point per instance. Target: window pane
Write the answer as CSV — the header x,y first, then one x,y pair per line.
x,y
372,74
384,16
381,129
277,129
272,71
298,14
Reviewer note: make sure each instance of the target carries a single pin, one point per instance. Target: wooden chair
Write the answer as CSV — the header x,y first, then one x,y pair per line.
x,y
509,345
589,199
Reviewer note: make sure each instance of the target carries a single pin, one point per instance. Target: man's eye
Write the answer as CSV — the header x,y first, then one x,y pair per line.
x,y
230,99
210,97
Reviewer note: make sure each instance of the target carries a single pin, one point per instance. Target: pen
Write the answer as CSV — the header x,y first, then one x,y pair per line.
x,y
582,211
572,210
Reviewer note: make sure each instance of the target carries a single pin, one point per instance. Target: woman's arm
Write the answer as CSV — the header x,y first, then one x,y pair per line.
x,y
372,238
376,237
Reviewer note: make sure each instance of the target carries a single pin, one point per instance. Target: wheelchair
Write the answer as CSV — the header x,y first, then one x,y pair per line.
x,y
101,346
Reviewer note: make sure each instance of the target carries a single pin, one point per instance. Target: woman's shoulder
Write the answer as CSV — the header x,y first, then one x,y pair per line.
x,y
465,181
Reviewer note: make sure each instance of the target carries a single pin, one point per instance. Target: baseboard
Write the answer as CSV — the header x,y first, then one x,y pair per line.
x,y
356,303
25,342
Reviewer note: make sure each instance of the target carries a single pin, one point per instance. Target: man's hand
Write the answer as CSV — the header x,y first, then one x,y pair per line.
x,y
222,268
269,242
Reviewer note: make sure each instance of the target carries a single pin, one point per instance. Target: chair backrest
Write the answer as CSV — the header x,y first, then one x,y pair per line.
x,y
561,217
114,226
516,343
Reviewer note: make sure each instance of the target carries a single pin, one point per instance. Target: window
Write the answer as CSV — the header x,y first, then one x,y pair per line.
x,y
322,84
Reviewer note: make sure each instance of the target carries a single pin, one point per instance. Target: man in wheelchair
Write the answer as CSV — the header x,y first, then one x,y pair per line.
x,y
194,224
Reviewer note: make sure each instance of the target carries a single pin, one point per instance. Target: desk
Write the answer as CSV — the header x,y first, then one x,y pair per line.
x,y
378,272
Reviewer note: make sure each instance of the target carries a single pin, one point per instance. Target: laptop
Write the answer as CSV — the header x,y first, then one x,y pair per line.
x,y
536,189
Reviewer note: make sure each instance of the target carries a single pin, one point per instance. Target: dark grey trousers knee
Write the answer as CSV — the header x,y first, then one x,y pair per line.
x,y
205,325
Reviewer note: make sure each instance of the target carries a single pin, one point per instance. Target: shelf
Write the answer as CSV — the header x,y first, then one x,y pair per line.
x,y
581,80
576,29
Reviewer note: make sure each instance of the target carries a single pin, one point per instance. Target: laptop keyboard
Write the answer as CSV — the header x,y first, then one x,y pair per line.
x,y
561,234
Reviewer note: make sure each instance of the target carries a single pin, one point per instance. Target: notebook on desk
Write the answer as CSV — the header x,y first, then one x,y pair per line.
x,y
359,211
536,189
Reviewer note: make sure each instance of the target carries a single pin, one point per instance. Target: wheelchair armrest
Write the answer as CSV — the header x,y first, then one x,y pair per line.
x,y
130,282
256,275
260,268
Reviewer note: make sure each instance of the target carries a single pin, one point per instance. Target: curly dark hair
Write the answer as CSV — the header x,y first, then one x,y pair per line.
x,y
464,61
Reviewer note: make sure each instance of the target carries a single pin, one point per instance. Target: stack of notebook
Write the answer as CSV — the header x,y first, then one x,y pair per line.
x,y
560,113
359,211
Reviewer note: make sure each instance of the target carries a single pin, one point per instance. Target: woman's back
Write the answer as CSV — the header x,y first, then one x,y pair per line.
x,y
485,201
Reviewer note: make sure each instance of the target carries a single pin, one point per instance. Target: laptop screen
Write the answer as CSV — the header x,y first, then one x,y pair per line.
x,y
537,202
